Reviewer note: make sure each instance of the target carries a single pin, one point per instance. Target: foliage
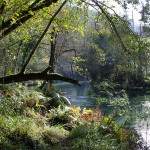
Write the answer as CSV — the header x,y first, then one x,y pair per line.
x,y
14,100
89,32
127,70
101,138
109,60
58,128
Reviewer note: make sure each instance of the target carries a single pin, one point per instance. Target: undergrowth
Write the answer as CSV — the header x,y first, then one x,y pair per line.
x,y
24,127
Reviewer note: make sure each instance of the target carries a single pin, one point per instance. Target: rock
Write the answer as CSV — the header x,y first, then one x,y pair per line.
x,y
65,100
57,100
54,95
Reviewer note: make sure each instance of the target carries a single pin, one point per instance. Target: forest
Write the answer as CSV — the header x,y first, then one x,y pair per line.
x,y
50,50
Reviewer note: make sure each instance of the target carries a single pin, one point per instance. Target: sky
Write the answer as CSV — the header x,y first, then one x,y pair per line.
x,y
133,15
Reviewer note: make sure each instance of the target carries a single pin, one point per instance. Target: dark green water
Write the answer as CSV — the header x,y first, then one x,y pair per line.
x,y
139,107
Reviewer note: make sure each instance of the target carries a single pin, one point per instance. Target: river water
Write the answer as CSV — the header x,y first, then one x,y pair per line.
x,y
141,116
140,107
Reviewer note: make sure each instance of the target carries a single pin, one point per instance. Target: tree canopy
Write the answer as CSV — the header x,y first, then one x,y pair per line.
x,y
66,26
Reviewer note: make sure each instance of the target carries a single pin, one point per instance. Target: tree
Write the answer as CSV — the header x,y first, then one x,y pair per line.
x,y
7,27
125,65
29,19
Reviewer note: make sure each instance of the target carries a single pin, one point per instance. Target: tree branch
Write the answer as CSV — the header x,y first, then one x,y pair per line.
x,y
25,15
120,19
69,50
43,34
112,25
46,70
36,76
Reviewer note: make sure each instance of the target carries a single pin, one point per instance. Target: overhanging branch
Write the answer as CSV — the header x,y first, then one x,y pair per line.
x,y
36,76
24,16
112,25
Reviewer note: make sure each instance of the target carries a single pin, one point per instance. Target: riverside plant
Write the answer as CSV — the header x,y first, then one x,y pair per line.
x,y
59,128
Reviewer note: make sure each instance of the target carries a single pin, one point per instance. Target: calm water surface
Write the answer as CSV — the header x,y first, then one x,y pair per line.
x,y
141,116
140,111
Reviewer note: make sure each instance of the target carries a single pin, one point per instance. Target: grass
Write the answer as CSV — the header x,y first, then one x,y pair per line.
x,y
62,128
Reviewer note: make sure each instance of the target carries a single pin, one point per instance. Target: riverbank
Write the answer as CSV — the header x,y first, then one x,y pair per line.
x,y
138,108
64,129
24,127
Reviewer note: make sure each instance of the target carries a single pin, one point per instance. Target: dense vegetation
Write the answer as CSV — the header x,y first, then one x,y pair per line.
x,y
80,40
27,122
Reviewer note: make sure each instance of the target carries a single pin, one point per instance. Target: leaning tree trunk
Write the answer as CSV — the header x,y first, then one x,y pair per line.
x,y
51,59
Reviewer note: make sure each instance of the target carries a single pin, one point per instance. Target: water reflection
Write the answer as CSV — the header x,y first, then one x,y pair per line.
x,y
140,107
78,95
141,116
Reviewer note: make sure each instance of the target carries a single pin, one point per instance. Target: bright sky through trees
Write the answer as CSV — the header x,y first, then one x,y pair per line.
x,y
133,14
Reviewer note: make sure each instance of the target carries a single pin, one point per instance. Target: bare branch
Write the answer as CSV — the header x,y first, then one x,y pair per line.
x,y
69,50
46,70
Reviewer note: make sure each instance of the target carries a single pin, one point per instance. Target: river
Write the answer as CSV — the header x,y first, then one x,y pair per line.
x,y
141,116
140,107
